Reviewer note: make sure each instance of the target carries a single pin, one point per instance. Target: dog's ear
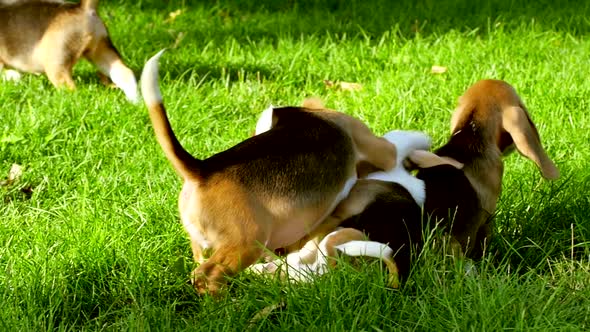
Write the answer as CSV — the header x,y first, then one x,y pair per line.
x,y
517,123
462,115
313,103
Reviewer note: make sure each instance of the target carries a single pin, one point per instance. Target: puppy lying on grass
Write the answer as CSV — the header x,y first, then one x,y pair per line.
x,y
50,37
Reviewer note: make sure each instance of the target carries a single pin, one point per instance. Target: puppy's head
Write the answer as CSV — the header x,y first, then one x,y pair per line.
x,y
494,109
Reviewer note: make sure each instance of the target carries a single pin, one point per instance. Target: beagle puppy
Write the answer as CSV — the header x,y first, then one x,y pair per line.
x,y
489,122
462,182
268,191
50,36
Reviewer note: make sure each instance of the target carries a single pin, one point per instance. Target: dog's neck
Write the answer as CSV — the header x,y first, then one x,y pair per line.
x,y
482,164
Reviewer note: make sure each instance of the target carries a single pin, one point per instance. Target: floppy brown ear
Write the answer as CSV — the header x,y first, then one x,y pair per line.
x,y
426,159
462,114
518,124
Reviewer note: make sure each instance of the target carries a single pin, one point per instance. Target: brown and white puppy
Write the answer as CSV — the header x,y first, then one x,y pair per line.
x,y
268,191
489,122
51,36
463,184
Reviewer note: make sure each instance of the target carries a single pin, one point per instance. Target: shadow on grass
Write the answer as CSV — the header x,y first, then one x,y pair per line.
x,y
374,18
233,72
201,24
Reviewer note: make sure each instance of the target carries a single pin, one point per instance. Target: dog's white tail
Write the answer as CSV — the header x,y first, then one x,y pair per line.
x,y
185,164
365,248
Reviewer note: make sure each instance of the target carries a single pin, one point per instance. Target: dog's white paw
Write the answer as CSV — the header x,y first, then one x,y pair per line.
x,y
407,141
264,268
11,75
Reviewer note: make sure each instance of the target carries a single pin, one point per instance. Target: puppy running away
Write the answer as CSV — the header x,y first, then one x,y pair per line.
x,y
51,36
268,191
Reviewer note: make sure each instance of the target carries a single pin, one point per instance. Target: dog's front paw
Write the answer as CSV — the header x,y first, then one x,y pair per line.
x,y
408,140
264,268
202,284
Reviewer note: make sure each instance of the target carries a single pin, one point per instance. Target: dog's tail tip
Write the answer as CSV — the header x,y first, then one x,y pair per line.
x,y
150,89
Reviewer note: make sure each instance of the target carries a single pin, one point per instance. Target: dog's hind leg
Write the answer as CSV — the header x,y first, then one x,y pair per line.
x,y
377,151
58,64
226,261
60,75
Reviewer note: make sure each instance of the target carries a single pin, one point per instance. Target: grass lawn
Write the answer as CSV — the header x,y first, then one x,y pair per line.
x,y
90,237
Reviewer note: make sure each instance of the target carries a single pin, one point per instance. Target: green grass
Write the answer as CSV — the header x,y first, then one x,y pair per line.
x,y
99,246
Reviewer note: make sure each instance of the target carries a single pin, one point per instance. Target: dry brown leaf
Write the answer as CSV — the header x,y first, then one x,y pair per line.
x,y
347,86
329,84
438,69
16,171
344,86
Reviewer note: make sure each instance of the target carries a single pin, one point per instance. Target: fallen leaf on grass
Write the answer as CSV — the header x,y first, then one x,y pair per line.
x,y
16,171
438,69
173,15
344,86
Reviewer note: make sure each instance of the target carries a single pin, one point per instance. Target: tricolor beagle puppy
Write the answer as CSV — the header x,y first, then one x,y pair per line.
x,y
392,199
